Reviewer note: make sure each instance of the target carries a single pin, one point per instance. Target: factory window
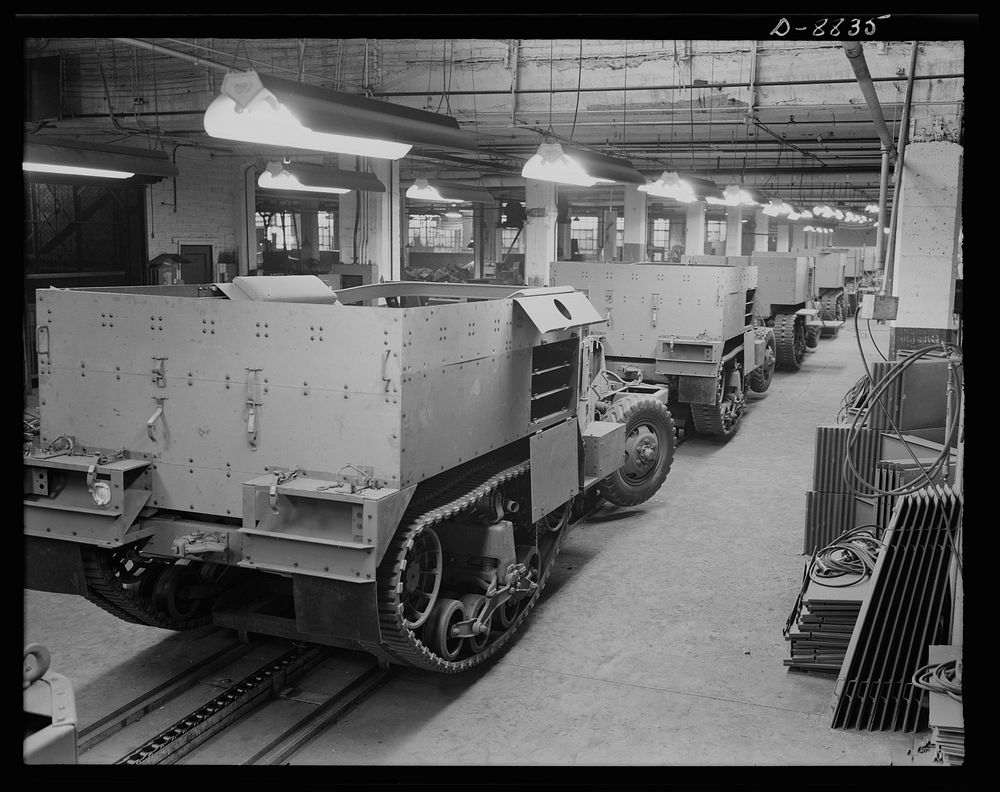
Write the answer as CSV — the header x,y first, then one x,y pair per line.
x,y
584,231
511,236
279,229
422,230
715,237
620,235
661,232
327,231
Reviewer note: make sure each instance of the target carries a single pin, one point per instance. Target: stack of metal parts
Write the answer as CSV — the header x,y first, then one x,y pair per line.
x,y
830,505
906,610
946,718
895,474
820,625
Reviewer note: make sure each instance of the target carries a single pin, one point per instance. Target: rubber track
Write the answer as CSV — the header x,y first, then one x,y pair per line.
x,y
708,420
784,338
828,312
399,641
104,590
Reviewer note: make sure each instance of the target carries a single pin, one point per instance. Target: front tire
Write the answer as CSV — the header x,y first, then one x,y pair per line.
x,y
649,450
760,378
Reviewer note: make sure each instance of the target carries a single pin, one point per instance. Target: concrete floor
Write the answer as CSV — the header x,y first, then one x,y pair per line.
x,y
658,640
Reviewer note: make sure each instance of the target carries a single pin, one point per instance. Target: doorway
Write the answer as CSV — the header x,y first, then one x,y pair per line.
x,y
198,267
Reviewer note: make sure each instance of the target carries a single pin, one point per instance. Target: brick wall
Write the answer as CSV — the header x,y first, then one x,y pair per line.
x,y
209,205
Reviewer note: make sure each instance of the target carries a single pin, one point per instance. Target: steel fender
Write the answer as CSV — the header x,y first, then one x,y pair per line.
x,y
698,390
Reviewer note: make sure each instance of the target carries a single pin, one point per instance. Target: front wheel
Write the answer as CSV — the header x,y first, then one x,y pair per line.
x,y
649,450
760,378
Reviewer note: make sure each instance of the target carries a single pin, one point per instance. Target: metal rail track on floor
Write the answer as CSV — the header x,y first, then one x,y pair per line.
x,y
236,702
332,710
100,730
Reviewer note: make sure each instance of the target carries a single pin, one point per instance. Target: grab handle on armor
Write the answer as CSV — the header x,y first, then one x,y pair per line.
x,y
155,417
253,402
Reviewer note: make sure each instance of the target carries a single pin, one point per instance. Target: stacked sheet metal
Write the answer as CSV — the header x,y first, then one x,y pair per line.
x,y
906,610
836,582
892,474
830,506
946,718
823,625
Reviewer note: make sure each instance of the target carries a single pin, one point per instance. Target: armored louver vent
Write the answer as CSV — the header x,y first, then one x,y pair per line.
x,y
553,380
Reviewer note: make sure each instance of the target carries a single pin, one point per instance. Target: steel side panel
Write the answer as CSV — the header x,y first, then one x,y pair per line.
x,y
693,302
455,413
555,474
303,418
437,335
781,280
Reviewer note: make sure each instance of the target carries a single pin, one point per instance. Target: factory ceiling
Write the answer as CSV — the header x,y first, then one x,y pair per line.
x,y
787,116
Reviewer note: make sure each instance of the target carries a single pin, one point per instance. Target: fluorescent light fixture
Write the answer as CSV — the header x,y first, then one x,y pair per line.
x,y
454,214
302,177
734,195
44,158
670,185
72,170
552,164
447,192
581,168
256,108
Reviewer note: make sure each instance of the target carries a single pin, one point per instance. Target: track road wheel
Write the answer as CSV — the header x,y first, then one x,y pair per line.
x,y
649,450
443,617
722,419
790,338
420,577
760,378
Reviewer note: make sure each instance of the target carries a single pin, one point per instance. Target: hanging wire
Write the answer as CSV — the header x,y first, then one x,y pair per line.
x,y
475,112
579,79
550,86
625,96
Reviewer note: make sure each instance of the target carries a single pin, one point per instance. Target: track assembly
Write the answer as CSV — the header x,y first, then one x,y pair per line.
x,y
790,337
423,635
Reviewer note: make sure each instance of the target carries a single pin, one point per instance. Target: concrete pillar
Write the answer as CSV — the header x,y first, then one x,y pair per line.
x,y
694,237
925,260
539,231
379,237
636,224
734,230
609,242
798,238
308,235
783,238
564,240
487,243
761,229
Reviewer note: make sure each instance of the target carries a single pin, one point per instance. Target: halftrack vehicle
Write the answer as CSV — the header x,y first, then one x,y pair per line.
x,y
391,467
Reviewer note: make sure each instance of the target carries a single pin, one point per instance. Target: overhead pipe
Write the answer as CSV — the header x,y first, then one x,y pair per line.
x,y
856,56
606,89
904,128
883,189
173,53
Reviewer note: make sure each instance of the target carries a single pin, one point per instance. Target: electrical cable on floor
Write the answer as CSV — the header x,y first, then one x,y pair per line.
x,y
854,552
940,678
